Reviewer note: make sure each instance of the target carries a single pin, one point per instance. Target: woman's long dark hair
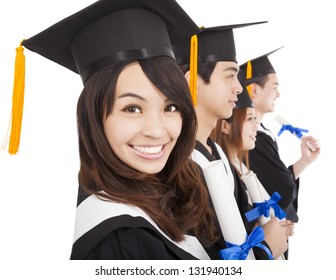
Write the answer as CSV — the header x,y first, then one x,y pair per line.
x,y
232,143
176,199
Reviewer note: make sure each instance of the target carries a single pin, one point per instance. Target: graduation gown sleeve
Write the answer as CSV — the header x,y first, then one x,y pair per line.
x,y
274,175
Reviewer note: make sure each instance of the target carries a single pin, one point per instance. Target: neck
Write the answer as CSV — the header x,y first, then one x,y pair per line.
x,y
259,116
205,126
237,164
202,137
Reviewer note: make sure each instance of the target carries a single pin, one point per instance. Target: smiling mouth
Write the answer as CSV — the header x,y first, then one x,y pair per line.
x,y
233,103
148,150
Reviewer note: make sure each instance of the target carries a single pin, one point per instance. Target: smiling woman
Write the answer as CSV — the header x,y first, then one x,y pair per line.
x,y
39,184
153,122
133,151
140,195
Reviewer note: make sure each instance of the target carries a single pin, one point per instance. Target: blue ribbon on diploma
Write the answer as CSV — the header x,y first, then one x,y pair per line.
x,y
263,208
294,130
240,252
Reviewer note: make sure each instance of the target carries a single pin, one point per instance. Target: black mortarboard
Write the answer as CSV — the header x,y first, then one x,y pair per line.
x,y
255,68
244,99
110,31
214,44
102,34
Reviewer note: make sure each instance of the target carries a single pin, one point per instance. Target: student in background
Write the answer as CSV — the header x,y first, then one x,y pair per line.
x,y
261,78
236,136
216,93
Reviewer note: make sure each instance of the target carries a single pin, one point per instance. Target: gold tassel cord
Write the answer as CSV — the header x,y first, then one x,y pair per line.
x,y
193,68
249,76
17,101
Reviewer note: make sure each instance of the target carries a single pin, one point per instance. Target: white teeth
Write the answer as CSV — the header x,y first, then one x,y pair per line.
x,y
148,150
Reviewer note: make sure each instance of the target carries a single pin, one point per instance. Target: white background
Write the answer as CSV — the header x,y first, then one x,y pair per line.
x,y
39,185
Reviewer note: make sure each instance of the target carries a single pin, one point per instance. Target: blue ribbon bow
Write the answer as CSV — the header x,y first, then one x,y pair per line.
x,y
240,252
263,208
294,130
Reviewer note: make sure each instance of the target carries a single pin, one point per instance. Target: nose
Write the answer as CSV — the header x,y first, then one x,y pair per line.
x,y
154,126
238,87
255,125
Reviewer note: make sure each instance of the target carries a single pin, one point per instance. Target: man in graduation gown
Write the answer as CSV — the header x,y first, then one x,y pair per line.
x,y
216,91
260,76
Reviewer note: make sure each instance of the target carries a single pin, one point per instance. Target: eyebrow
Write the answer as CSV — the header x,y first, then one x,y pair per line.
x,y
129,94
231,68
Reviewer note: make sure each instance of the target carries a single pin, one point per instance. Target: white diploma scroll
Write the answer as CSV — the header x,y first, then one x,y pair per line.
x,y
282,121
225,205
258,194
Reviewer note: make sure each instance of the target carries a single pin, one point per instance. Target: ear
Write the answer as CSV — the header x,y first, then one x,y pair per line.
x,y
226,127
254,90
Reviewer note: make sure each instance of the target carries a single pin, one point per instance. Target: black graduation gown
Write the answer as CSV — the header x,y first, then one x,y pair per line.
x,y
242,202
126,237
274,175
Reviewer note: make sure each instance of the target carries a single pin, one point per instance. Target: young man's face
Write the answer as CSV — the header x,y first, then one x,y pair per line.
x,y
264,97
218,97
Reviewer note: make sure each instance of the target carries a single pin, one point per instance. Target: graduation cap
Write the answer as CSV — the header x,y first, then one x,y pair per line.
x,y
111,31
104,33
256,68
244,99
214,44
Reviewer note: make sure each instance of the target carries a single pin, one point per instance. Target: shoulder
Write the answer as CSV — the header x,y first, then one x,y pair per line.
x,y
125,238
104,222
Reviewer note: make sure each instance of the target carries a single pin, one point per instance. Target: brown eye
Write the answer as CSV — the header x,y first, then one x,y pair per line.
x,y
171,108
132,109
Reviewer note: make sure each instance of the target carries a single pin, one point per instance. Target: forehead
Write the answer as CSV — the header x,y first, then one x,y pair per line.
x,y
250,111
227,66
272,79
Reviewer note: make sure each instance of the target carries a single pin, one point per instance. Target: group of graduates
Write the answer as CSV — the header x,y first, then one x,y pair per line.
x,y
163,100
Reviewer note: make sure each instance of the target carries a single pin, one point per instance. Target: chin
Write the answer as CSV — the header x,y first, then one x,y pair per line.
x,y
151,170
251,147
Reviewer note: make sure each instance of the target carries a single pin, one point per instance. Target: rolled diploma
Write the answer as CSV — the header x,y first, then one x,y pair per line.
x,y
258,194
225,205
282,121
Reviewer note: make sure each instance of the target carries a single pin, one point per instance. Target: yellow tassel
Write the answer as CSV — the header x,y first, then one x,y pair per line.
x,y
17,101
249,76
193,68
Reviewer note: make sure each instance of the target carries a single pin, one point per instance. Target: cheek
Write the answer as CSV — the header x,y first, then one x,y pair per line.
x,y
247,130
174,126
245,135
116,133
217,87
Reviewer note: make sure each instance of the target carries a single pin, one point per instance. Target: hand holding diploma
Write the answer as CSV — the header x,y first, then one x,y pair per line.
x,y
294,130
